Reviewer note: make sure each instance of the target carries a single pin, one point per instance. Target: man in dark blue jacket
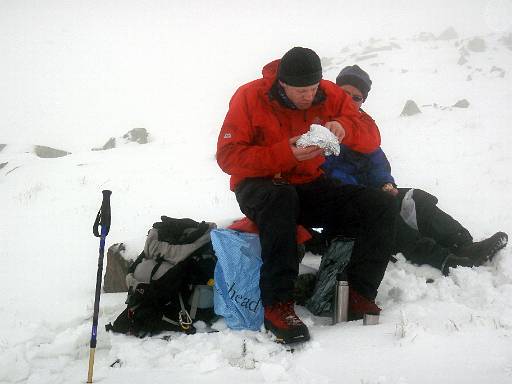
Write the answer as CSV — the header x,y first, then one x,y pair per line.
x,y
425,234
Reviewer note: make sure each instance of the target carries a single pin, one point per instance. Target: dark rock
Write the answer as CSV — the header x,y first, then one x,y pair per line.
x,y
2,146
138,135
48,152
116,270
3,164
461,104
410,109
111,143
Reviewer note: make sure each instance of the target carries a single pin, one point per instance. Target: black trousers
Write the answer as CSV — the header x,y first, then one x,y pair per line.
x,y
367,215
437,236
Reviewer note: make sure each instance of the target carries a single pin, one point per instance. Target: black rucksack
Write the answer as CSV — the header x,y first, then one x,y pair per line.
x,y
171,282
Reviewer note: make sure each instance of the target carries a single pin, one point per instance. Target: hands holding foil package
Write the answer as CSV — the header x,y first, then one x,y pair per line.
x,y
318,140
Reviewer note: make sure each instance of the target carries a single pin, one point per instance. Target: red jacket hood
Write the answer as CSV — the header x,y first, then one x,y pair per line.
x,y
269,71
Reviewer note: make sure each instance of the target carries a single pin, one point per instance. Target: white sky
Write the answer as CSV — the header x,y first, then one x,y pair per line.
x,y
74,73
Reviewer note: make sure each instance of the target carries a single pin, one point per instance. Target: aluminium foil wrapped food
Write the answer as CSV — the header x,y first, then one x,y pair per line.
x,y
320,136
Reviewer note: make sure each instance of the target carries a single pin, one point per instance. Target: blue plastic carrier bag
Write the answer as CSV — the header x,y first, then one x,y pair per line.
x,y
237,275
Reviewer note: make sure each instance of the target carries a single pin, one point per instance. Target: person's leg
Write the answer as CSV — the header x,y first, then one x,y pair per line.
x,y
274,209
417,248
437,224
365,214
449,233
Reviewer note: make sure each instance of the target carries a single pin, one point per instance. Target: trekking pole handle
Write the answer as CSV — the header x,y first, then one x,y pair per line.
x,y
103,216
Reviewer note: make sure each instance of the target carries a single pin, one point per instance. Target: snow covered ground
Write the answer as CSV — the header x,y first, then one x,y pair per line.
x,y
75,75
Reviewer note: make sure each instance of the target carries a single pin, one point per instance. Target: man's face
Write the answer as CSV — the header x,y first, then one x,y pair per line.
x,y
302,97
355,94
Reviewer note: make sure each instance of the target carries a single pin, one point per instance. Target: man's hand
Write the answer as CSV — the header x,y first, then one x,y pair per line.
x,y
307,153
336,128
390,188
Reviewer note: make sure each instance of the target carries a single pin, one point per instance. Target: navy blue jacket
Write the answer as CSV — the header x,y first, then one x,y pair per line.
x,y
351,167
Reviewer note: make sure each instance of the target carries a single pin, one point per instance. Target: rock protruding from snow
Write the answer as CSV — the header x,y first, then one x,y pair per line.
x,y
497,70
111,143
477,44
48,152
410,109
2,146
137,135
448,34
507,41
464,54
461,104
116,270
3,164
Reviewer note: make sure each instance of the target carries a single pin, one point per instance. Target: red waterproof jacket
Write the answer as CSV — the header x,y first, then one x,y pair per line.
x,y
254,138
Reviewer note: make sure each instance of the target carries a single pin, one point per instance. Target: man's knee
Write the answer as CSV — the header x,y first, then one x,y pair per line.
x,y
261,195
423,198
381,201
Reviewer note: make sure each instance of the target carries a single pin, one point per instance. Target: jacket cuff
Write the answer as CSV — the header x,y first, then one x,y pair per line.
x,y
283,155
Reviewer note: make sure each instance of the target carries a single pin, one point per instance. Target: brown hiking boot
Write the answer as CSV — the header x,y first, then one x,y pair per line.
x,y
282,321
358,306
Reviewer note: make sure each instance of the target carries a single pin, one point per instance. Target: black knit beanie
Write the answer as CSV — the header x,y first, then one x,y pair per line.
x,y
300,67
356,77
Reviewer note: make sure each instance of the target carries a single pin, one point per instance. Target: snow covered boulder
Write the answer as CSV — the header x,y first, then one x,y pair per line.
x,y
410,108
477,44
461,104
448,34
137,135
111,143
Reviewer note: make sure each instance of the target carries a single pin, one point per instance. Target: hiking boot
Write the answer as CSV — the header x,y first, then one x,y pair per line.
x,y
454,261
358,306
281,320
484,250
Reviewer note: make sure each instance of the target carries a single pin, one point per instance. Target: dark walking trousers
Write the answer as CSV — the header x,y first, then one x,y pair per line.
x,y
367,215
437,236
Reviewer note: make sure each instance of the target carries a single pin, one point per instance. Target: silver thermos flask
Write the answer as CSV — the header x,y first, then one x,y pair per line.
x,y
340,313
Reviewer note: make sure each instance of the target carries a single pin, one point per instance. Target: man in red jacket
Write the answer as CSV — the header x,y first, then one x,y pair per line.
x,y
279,185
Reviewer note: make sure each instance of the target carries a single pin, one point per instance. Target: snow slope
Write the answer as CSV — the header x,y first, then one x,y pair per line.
x,y
70,87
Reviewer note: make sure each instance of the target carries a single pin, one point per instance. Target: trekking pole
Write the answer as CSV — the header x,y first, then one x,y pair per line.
x,y
103,220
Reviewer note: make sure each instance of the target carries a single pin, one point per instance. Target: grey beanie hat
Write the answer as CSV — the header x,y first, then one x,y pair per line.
x,y
355,76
